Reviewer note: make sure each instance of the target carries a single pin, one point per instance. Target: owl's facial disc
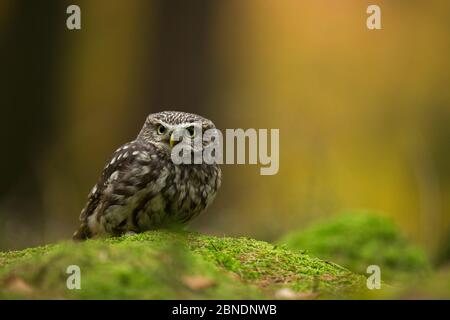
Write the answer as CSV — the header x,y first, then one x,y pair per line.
x,y
161,133
167,129
166,136
186,134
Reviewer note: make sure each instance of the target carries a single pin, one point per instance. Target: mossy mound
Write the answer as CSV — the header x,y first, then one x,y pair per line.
x,y
359,240
172,265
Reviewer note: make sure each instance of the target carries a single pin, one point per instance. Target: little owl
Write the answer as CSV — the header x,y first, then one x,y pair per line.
x,y
142,189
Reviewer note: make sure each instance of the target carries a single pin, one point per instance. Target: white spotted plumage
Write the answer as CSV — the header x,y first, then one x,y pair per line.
x,y
142,189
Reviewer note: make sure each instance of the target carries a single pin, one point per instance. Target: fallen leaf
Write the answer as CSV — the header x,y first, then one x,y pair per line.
x,y
18,285
289,294
197,282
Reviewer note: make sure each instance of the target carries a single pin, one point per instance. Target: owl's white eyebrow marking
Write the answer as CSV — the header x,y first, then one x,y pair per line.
x,y
168,126
197,124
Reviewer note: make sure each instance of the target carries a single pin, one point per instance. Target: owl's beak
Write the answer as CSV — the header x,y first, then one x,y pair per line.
x,y
176,136
172,141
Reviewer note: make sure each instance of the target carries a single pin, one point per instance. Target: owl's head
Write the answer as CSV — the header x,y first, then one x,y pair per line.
x,y
168,128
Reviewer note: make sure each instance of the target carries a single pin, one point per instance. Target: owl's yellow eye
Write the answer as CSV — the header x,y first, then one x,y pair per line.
x,y
191,131
161,129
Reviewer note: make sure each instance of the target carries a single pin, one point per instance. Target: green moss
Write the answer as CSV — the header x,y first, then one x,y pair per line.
x,y
359,240
155,265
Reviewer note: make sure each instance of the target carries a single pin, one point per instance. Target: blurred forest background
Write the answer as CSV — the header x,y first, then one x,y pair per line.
x,y
364,116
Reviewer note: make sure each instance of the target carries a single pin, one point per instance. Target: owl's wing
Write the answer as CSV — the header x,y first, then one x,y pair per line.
x,y
131,168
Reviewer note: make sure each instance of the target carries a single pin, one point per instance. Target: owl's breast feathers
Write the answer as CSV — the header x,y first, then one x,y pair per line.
x,y
140,189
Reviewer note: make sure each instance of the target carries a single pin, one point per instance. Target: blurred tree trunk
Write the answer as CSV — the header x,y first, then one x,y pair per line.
x,y
179,77
98,98
30,43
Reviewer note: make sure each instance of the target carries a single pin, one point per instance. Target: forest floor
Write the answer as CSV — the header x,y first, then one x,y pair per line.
x,y
173,265
314,263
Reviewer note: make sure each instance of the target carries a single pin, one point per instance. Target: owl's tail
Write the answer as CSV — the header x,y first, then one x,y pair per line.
x,y
82,233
